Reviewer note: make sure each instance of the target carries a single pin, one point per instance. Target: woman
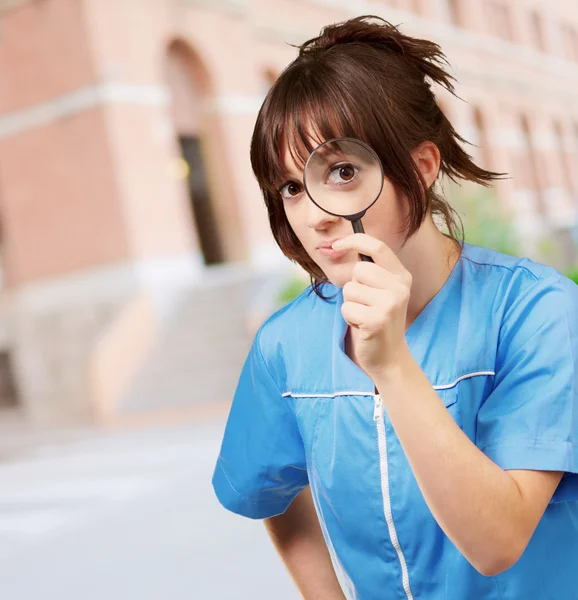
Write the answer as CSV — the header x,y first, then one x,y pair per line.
x,y
408,428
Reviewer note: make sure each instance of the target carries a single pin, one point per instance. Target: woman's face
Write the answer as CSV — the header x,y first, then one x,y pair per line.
x,y
317,230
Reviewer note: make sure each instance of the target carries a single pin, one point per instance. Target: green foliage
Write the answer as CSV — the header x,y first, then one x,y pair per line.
x,y
572,273
485,224
292,288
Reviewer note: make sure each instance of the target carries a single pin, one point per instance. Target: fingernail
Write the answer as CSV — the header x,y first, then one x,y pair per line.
x,y
337,244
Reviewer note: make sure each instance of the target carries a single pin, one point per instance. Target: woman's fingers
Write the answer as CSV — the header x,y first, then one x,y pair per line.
x,y
354,291
358,314
381,254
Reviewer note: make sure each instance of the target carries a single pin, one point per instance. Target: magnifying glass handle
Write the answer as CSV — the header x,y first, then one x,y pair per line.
x,y
358,228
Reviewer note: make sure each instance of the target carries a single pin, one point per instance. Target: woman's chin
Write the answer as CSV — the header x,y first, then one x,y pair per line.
x,y
339,275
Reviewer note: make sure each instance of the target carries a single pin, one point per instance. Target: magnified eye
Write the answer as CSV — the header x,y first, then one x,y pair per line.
x,y
291,190
343,173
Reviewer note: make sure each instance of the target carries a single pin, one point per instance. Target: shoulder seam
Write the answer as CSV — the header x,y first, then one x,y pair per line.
x,y
517,265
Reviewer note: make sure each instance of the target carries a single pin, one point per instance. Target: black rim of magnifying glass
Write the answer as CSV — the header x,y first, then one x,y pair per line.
x,y
355,219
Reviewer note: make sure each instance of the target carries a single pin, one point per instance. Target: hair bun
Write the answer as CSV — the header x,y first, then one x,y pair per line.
x,y
424,55
361,30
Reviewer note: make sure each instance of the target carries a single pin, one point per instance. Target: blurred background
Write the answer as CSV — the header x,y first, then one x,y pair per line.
x,y
136,259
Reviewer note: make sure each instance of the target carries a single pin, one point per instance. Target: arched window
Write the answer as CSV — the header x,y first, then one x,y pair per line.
x,y
563,157
269,78
499,19
538,33
483,143
570,42
575,158
531,164
417,6
455,10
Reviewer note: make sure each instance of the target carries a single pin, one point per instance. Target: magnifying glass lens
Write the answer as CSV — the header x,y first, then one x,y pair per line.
x,y
343,177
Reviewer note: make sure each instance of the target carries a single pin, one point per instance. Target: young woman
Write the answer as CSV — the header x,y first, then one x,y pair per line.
x,y
409,427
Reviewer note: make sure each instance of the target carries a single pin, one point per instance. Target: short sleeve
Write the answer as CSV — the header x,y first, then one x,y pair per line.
x,y
530,419
261,465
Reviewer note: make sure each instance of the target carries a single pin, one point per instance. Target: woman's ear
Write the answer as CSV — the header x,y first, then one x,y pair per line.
x,y
427,158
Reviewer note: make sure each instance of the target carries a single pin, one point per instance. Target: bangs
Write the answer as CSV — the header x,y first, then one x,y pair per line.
x,y
305,129
302,111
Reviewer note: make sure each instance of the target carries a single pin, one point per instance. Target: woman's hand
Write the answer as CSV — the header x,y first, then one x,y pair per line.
x,y
375,303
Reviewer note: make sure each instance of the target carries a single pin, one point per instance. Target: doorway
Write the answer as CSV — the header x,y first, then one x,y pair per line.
x,y
8,393
199,145
200,199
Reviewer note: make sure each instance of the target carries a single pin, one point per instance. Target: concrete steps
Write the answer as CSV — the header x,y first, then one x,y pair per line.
x,y
200,355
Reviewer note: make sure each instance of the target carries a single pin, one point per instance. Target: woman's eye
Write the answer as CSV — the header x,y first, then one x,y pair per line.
x,y
290,190
341,174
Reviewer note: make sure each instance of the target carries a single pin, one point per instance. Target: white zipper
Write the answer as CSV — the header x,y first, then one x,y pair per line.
x,y
382,445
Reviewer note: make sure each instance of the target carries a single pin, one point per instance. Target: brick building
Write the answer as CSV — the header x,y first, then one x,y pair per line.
x,y
125,175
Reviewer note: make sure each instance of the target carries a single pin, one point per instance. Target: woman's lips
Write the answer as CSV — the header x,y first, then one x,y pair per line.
x,y
327,250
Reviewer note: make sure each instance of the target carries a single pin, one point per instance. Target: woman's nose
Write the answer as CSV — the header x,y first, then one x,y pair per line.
x,y
318,218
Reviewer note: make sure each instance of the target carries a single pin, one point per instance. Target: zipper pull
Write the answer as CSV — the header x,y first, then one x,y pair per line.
x,y
377,408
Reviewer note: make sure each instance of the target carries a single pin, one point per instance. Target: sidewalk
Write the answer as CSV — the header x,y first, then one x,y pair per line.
x,y
128,515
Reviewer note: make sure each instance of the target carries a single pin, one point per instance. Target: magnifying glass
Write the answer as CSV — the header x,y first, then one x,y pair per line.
x,y
344,178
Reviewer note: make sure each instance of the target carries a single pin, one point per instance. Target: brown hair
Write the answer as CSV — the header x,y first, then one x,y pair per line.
x,y
363,79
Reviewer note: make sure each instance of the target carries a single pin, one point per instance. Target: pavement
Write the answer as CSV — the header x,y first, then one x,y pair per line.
x,y
127,514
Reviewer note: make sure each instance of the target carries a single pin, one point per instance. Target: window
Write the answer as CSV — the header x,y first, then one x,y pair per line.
x,y
570,42
269,78
455,10
482,142
499,19
575,160
538,33
531,165
417,6
562,156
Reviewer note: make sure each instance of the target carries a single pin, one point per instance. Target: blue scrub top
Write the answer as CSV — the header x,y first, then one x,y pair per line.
x,y
499,343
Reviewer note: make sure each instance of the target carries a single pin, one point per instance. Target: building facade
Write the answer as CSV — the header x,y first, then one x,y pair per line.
x,y
124,164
